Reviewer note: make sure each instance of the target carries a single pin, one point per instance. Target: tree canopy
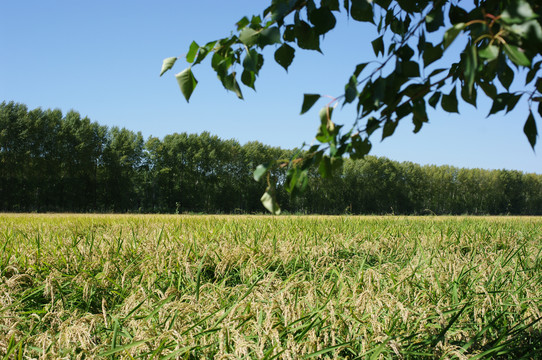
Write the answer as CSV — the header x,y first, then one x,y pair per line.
x,y
503,41
74,164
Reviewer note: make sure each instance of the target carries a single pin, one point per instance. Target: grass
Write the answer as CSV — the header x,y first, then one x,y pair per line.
x,y
262,287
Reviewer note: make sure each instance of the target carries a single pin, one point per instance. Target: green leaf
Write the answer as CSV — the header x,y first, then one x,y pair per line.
x,y
359,69
203,51
325,167
327,125
292,177
518,12
532,73
360,147
303,180
434,20
416,90
261,170
269,36
250,62
270,202
433,100
512,102
306,36
313,149
488,88
289,33
284,56
249,36
187,82
408,5
308,101
351,90
248,78
499,103
278,10
409,69
399,26
383,3
123,347
362,10
389,128
331,4
256,21
531,32
327,128
469,97
372,125
490,52
192,51
314,157
421,42
449,102
167,64
379,92
392,47
458,15
378,45
242,23
365,103
505,74
231,84
431,53
390,15
322,19
517,56
530,130
451,34
419,115
405,53
253,61
221,64
471,64
403,110
324,351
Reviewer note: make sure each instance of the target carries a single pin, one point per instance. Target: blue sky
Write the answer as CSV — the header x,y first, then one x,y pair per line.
x,y
103,58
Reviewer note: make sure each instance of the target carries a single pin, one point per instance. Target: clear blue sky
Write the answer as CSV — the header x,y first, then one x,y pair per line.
x,y
103,58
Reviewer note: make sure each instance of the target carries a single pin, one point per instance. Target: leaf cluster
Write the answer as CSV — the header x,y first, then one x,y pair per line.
x,y
503,40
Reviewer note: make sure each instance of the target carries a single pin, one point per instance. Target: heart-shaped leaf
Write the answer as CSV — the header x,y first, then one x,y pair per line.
x,y
167,64
187,82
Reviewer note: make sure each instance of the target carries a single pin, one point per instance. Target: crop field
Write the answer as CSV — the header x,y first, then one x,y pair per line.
x,y
263,287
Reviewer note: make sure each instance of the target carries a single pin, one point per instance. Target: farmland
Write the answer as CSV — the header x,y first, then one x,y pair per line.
x,y
263,287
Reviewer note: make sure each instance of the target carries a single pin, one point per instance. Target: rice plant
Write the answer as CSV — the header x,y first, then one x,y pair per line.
x,y
263,287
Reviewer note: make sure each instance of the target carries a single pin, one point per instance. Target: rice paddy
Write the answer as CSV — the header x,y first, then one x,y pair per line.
x,y
263,287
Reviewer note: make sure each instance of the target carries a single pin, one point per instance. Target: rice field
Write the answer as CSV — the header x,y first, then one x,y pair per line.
x,y
263,287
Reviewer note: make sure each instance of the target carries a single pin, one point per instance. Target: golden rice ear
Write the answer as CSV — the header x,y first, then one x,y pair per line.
x,y
263,286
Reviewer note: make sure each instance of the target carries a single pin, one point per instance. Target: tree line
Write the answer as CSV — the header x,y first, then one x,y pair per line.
x,y
67,163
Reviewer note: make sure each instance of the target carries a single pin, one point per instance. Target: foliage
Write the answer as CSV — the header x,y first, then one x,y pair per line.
x,y
502,41
73,164
93,286
65,163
